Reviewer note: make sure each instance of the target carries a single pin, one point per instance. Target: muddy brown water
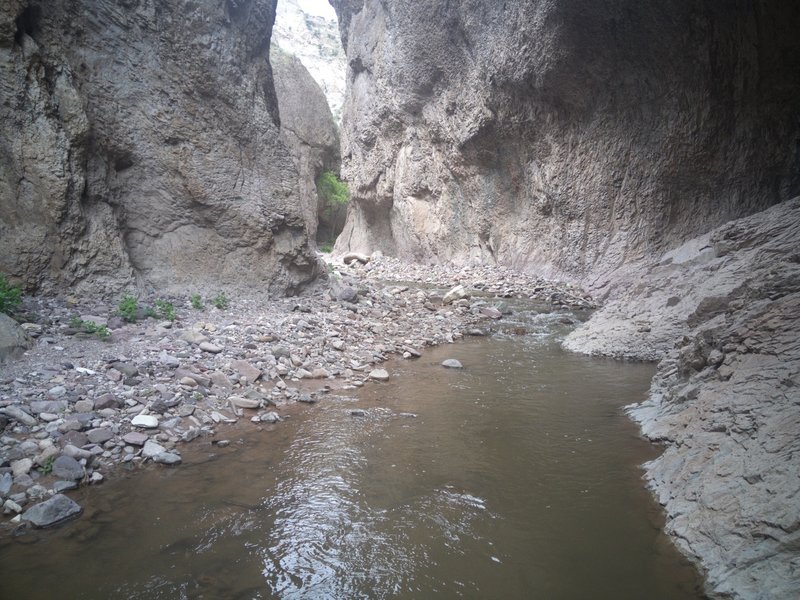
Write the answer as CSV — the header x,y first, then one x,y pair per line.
x,y
519,477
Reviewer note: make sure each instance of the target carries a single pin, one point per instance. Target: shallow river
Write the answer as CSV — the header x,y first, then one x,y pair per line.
x,y
518,477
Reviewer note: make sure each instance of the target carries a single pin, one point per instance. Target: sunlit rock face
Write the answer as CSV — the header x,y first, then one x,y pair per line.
x,y
313,37
141,146
572,138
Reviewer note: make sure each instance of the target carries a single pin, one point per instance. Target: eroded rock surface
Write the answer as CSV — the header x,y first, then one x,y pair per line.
x,y
140,144
723,311
567,137
307,129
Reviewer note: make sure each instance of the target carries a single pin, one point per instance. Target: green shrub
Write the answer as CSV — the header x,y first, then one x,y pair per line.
x,y
101,331
47,467
333,190
127,309
334,195
197,302
327,248
10,296
220,301
165,310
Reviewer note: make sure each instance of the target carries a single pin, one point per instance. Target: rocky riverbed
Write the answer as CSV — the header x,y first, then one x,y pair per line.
x,y
74,406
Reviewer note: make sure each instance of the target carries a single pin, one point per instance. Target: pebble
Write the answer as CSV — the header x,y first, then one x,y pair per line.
x,y
209,347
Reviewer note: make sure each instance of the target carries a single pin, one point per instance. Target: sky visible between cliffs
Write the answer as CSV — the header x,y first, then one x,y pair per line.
x,y
320,8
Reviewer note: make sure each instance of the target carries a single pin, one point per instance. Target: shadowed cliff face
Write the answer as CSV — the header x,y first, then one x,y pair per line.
x,y
140,142
568,137
307,129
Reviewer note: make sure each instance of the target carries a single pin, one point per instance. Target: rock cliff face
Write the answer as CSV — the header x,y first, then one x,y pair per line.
x,y
314,40
726,397
307,129
568,137
141,144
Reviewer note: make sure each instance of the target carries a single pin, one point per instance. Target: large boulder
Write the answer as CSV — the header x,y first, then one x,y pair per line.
x,y
53,511
141,143
13,340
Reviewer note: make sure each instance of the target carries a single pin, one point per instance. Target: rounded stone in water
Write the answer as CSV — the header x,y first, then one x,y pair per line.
x,y
452,363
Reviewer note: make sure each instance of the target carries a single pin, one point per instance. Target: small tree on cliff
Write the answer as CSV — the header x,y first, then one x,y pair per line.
x,y
335,195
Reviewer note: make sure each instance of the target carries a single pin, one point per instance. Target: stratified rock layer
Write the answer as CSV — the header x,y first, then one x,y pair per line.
x,y
723,311
140,143
568,137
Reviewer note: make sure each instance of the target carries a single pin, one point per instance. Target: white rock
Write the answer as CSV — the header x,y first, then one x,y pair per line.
x,y
457,293
379,375
146,421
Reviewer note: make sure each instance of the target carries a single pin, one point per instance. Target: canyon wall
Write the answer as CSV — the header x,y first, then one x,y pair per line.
x,y
570,138
141,147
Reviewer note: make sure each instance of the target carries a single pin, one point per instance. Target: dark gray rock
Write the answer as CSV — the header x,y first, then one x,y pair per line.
x,y
48,406
53,511
74,438
19,415
126,368
6,480
13,340
66,467
106,401
99,435
64,486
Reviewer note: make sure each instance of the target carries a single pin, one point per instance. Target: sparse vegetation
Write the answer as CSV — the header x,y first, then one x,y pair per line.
x,y
220,301
47,467
10,296
327,248
197,302
127,308
165,310
101,331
